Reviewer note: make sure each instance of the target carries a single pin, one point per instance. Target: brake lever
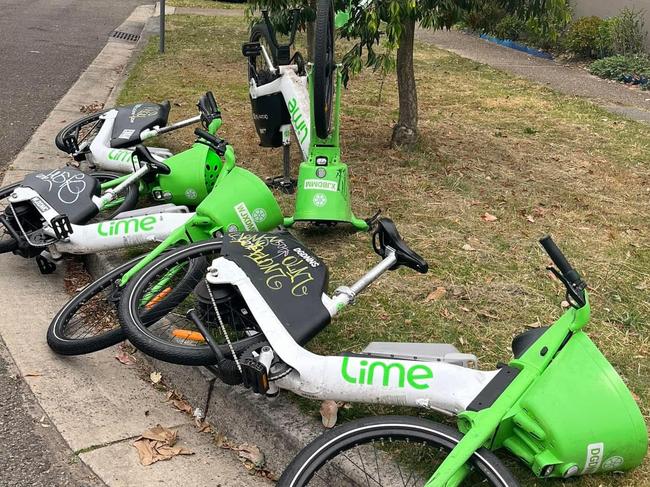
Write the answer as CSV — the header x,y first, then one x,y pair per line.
x,y
575,295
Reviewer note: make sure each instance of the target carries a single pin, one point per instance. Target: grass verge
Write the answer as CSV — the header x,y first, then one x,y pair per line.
x,y
539,161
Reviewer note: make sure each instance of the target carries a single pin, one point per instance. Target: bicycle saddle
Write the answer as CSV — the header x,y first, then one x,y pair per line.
x,y
144,157
69,191
386,235
131,120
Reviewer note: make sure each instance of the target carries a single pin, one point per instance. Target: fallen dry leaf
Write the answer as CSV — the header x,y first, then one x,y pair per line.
x,y
436,294
157,444
329,413
488,217
182,405
530,218
468,248
125,358
155,377
251,453
33,374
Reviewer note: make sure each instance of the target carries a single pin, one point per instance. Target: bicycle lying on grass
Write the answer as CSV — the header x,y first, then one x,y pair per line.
x,y
50,212
262,296
106,139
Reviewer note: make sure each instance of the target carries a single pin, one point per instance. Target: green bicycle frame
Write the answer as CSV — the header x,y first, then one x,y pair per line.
x,y
565,413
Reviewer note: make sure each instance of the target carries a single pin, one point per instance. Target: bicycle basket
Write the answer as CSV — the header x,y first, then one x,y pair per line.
x,y
269,114
578,417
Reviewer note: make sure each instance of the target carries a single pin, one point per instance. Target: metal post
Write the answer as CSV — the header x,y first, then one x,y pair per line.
x,y
162,26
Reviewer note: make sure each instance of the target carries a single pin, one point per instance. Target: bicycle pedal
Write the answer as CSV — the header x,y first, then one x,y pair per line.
x,y
61,226
44,265
254,376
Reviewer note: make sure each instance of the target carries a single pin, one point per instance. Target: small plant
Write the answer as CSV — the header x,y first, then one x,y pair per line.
x,y
630,68
510,27
583,37
627,32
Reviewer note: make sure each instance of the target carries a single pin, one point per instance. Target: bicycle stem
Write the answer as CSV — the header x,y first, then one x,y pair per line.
x,y
345,295
149,133
112,193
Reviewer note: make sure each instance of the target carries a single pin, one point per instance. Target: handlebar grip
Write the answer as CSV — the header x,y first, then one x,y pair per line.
x,y
215,142
560,260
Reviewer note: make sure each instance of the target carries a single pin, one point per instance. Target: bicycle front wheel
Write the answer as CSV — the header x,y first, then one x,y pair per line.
x,y
324,67
169,335
258,69
388,451
80,133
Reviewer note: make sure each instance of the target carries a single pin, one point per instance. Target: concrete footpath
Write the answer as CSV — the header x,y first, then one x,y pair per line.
x,y
97,404
568,79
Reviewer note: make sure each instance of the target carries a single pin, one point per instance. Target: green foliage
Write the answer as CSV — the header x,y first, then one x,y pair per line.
x,y
510,27
620,66
583,38
627,32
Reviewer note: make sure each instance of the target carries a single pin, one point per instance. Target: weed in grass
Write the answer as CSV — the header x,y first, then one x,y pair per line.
x,y
583,177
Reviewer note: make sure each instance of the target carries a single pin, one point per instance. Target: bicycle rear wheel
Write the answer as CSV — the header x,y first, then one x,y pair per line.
x,y
324,67
171,336
258,69
7,242
81,132
388,451
89,322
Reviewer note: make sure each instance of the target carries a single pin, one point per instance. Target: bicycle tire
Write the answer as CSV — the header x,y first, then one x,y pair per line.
x,y
324,67
342,439
260,33
59,140
58,337
131,194
143,335
7,242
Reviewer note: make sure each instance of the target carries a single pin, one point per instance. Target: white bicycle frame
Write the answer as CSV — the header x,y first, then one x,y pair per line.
x,y
131,228
296,96
439,386
103,156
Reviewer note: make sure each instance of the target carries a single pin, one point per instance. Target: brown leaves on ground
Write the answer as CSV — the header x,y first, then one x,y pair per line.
x,y
436,295
91,107
178,402
157,444
488,217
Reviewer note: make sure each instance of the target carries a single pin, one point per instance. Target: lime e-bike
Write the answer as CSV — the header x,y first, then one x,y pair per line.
x,y
263,297
283,96
106,139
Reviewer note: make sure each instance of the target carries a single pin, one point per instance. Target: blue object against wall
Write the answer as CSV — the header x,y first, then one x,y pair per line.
x,y
516,45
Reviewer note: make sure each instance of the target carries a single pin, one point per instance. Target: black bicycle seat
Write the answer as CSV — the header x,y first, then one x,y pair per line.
x,y
145,157
386,235
131,120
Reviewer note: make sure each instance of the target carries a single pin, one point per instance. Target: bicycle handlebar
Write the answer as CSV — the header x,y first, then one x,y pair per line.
x,y
294,27
566,273
216,143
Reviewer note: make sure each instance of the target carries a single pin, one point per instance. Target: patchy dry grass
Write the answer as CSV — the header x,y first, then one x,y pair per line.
x,y
539,161
204,4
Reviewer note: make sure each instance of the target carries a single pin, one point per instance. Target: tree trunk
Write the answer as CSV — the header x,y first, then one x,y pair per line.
x,y
405,132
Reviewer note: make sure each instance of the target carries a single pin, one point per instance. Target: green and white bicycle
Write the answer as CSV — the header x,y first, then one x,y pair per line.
x,y
559,406
287,93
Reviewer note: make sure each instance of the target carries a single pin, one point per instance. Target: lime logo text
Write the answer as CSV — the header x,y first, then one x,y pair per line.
x,y
245,217
126,226
297,120
393,374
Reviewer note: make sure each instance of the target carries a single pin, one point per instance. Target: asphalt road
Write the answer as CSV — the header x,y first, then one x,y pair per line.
x,y
44,46
32,453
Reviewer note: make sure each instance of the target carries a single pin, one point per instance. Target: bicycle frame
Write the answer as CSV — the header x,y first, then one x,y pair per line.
x,y
515,407
102,155
296,97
